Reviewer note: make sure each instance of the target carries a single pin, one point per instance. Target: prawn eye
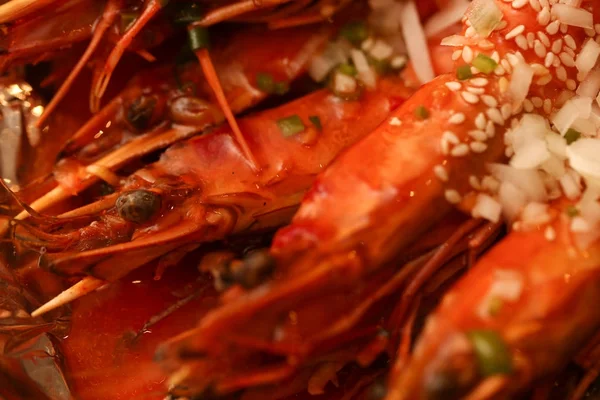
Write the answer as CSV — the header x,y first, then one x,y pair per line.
x,y
138,205
143,112
255,269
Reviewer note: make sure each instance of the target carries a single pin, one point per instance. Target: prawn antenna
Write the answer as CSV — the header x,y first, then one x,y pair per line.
x,y
199,42
117,52
80,289
16,9
108,17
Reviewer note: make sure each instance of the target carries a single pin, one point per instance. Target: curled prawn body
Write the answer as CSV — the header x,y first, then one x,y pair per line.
x,y
187,202
554,285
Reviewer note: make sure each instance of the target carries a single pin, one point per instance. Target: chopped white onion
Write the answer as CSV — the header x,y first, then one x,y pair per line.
x,y
487,207
416,42
484,16
588,57
530,155
573,109
584,156
535,213
365,72
512,199
590,85
529,181
344,83
520,83
573,16
445,18
570,187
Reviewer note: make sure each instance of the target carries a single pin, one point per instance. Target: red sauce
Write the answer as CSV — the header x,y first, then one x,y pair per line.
x,y
103,361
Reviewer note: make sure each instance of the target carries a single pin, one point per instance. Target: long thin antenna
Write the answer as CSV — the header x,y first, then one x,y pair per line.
x,y
80,289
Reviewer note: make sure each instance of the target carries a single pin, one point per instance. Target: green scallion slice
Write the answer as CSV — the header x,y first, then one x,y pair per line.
x,y
281,88
492,353
316,121
187,13
464,72
422,112
290,126
347,69
572,135
355,32
265,82
198,38
127,19
484,64
572,211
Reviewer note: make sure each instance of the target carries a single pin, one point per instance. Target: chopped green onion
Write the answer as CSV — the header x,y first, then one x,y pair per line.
x,y
422,112
188,12
492,353
265,82
572,211
495,305
316,121
484,64
572,135
289,126
198,38
464,72
347,69
127,19
281,88
355,32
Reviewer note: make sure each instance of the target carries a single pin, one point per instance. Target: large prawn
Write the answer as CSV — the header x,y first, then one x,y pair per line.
x,y
378,198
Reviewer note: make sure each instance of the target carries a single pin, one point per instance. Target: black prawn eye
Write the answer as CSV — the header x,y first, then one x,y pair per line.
x,y
143,112
138,205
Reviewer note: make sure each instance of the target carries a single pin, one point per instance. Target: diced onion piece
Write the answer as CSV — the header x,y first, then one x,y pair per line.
x,y
570,186
445,18
554,167
535,213
484,16
487,207
529,181
381,50
365,72
520,83
344,83
530,155
512,199
590,85
573,16
416,42
588,56
583,156
573,109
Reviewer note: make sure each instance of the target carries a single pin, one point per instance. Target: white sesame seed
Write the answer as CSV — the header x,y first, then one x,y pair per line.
x,y
452,196
450,137
490,129
467,55
561,74
516,4
547,106
535,4
478,147
571,84
475,90
544,80
521,41
495,115
543,38
480,121
441,173
489,101
528,105
506,110
544,16
478,135
515,32
454,86
540,49
570,42
550,234
460,150
479,82
456,55
557,46
537,101
470,97
552,27
395,121
549,60
457,119
474,182
567,59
